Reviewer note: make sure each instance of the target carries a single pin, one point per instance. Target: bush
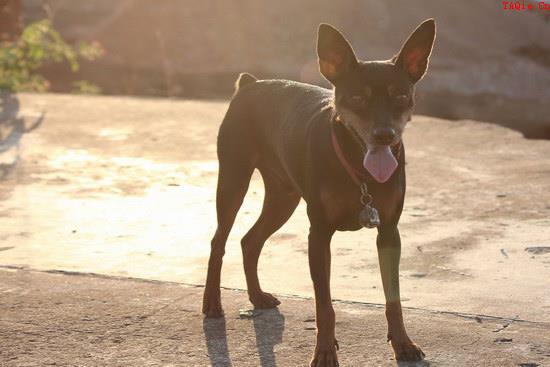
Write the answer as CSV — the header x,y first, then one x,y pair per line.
x,y
39,44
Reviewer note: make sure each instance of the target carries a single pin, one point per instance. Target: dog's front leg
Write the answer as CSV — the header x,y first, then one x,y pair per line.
x,y
319,267
388,243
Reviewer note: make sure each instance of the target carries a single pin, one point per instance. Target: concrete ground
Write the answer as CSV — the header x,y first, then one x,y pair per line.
x,y
124,187
81,320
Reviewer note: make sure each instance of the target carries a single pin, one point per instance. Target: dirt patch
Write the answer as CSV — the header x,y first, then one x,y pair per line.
x,y
538,250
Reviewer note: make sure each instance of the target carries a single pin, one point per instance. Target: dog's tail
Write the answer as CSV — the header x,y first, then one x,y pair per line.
x,y
244,79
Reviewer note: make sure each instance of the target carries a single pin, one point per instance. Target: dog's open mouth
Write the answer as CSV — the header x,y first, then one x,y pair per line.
x,y
380,162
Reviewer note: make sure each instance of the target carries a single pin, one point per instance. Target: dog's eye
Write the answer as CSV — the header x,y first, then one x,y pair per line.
x,y
401,101
356,101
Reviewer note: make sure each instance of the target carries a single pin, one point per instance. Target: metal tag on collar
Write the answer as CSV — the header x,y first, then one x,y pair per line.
x,y
368,217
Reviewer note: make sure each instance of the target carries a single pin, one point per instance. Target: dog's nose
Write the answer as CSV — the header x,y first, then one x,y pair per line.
x,y
384,135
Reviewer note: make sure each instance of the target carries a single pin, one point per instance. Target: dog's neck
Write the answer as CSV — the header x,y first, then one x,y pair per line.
x,y
351,149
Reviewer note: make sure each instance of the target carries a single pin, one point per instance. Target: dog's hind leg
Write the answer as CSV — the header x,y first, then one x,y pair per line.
x,y
279,204
236,167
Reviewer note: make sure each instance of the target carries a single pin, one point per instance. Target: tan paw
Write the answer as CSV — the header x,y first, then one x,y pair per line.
x,y
264,300
325,357
406,350
212,305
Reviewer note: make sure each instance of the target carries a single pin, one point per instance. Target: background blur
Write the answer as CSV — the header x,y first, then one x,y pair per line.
x,y
488,64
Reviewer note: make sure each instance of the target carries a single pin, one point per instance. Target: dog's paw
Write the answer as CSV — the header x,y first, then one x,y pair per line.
x,y
212,305
406,350
264,300
325,358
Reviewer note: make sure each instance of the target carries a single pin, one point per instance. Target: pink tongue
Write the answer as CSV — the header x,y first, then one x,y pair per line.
x,y
380,163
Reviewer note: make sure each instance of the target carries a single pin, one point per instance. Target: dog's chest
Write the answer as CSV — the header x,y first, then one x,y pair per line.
x,y
341,208
342,205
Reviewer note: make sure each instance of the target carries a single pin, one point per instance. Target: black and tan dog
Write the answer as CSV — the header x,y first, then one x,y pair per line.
x,y
341,151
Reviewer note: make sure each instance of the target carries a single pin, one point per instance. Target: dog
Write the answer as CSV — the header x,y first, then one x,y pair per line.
x,y
340,150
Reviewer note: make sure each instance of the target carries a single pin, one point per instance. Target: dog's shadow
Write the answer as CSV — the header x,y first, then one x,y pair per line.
x,y
422,363
269,326
215,334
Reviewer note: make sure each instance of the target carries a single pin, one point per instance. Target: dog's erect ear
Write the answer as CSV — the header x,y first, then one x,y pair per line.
x,y
336,56
415,53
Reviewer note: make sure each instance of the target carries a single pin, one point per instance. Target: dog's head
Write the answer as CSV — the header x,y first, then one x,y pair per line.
x,y
374,99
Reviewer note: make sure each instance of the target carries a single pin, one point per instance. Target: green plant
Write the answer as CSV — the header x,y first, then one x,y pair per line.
x,y
39,44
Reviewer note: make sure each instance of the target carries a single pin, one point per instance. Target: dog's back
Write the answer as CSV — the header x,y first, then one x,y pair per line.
x,y
269,122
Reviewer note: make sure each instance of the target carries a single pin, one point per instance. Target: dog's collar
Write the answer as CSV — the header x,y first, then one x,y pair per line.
x,y
357,176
